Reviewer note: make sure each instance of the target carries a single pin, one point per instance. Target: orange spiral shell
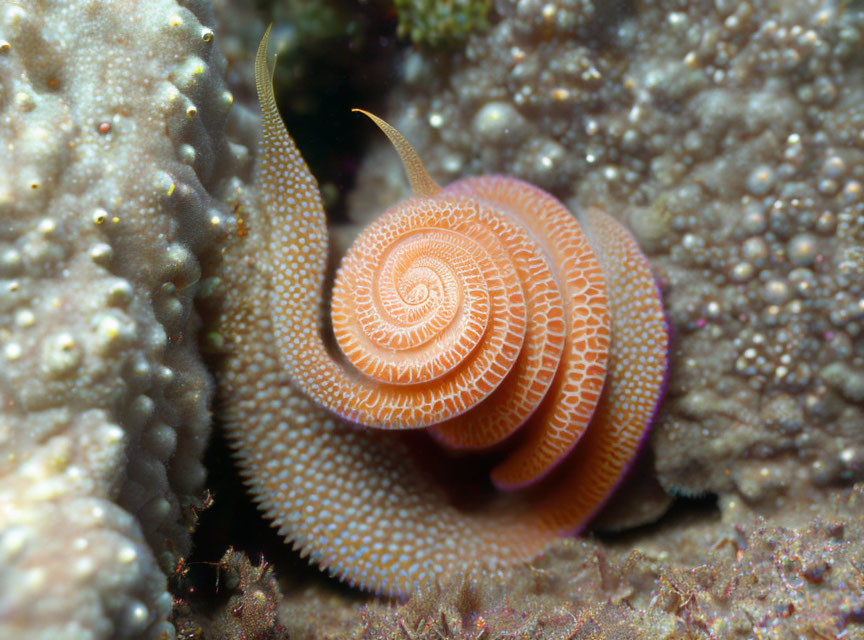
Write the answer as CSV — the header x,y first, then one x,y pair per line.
x,y
430,309
483,312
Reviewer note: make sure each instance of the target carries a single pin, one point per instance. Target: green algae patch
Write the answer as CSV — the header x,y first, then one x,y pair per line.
x,y
441,23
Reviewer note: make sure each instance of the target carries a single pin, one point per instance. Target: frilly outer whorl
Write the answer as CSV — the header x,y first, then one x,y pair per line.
x,y
483,314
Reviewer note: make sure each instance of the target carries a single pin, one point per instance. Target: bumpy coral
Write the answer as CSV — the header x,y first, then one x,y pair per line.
x,y
113,135
728,136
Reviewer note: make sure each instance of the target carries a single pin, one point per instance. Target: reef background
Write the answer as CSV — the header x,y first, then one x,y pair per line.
x,y
729,136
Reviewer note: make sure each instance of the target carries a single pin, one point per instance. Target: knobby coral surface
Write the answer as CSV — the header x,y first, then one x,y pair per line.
x,y
113,118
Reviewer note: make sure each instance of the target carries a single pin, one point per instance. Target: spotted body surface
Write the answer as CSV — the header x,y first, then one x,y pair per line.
x,y
475,315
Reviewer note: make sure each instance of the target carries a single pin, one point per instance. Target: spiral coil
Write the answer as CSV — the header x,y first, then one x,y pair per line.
x,y
483,314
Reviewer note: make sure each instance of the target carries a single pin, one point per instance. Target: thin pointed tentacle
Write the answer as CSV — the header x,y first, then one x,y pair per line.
x,y
422,184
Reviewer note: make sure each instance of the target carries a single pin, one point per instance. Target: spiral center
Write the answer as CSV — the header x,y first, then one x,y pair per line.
x,y
414,308
416,264
417,294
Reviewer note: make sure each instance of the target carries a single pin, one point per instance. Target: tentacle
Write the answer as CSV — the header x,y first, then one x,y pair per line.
x,y
422,183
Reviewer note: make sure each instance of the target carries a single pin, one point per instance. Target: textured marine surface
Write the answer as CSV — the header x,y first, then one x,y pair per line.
x,y
768,579
380,510
114,144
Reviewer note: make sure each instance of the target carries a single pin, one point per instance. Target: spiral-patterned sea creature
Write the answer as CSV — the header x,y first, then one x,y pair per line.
x,y
496,366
